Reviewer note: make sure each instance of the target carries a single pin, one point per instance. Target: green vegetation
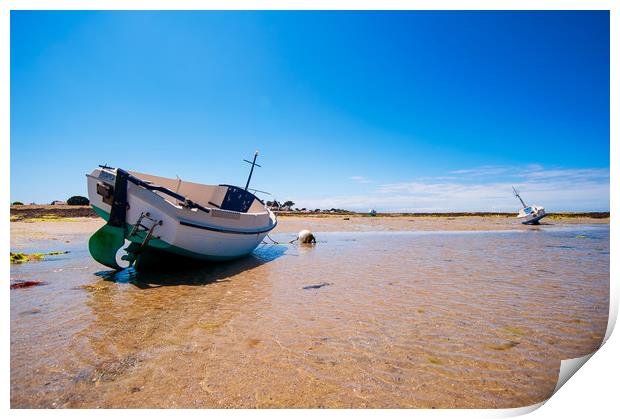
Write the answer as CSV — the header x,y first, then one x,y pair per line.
x,y
19,257
514,331
78,200
95,287
46,217
340,211
562,215
503,346
22,257
17,203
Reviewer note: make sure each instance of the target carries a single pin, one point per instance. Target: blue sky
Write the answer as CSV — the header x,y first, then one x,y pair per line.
x,y
403,111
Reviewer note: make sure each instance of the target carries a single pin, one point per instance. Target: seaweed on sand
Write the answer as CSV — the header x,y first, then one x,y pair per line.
x,y
26,284
20,257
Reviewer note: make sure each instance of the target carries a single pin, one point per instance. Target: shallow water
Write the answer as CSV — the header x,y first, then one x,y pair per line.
x,y
433,319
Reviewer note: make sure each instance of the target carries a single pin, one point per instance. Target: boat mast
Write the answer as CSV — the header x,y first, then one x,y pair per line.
x,y
253,163
518,196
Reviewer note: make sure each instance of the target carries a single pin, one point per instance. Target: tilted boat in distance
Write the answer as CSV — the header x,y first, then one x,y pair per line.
x,y
529,214
161,216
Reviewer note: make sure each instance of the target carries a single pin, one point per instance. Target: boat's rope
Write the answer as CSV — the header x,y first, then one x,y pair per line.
x,y
277,242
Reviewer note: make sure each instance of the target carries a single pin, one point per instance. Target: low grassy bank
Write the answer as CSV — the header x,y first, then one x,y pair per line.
x,y
49,212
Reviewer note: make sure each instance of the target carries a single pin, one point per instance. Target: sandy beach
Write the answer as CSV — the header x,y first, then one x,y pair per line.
x,y
382,312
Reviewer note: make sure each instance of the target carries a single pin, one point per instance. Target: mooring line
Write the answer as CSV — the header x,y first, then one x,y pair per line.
x,y
277,242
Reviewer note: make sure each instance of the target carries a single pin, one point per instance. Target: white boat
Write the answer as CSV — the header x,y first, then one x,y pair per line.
x,y
162,216
529,214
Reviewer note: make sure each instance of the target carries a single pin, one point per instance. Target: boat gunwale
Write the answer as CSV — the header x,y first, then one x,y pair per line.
x,y
228,231
267,211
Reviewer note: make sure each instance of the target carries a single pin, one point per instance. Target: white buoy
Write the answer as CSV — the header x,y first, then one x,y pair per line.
x,y
306,236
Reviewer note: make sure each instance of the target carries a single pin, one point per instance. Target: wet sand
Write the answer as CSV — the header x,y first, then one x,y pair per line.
x,y
401,312
24,231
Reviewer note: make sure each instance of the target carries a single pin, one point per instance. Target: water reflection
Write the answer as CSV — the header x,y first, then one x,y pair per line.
x,y
183,271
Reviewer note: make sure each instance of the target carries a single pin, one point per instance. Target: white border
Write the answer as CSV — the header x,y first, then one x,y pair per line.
x,y
596,384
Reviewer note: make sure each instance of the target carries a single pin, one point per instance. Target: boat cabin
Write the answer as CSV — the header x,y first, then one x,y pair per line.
x,y
224,197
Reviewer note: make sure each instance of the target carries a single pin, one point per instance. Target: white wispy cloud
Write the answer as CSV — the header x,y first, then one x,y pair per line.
x,y
481,171
573,174
361,179
557,189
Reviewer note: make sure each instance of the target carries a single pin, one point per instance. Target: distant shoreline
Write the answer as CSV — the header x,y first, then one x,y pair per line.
x,y
440,214
51,212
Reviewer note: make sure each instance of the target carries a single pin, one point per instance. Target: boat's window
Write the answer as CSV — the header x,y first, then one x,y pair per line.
x,y
528,210
237,199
